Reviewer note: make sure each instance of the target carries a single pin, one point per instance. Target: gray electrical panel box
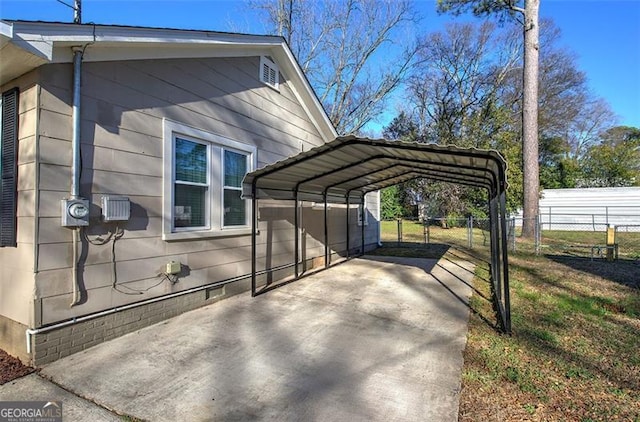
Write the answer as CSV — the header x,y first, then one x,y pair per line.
x,y
75,212
116,208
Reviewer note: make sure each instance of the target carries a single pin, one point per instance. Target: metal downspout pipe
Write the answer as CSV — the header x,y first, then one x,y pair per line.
x,y
75,165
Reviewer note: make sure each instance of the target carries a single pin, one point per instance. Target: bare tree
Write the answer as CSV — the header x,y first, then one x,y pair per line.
x,y
584,131
455,94
339,45
566,107
467,90
527,15
457,80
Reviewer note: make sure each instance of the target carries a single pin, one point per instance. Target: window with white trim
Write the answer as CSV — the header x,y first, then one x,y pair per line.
x,y
203,175
269,73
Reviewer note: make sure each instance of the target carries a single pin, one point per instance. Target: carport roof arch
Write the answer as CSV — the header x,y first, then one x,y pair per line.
x,y
349,167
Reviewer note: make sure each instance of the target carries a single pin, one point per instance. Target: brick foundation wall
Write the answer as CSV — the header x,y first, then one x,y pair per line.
x,y
55,344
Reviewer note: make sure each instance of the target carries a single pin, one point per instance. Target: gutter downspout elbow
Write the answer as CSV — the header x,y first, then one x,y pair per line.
x,y
28,333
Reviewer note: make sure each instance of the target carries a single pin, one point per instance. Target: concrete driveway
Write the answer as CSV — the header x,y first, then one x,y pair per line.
x,y
372,339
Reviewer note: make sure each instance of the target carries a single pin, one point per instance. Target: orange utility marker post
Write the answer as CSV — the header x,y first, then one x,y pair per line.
x,y
612,246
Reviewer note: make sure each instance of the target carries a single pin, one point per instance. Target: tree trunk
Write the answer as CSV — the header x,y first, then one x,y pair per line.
x,y
530,119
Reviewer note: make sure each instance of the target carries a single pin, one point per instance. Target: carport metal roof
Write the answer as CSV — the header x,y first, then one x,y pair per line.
x,y
349,167
346,169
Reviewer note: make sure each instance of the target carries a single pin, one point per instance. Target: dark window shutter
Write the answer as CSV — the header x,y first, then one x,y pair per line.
x,y
9,170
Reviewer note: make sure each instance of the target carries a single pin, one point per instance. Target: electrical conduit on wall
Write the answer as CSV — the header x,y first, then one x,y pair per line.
x,y
75,166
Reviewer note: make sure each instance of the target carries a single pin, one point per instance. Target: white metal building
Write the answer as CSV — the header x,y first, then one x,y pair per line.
x,y
590,208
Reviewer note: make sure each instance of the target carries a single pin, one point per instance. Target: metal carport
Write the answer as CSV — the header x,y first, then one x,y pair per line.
x,y
346,169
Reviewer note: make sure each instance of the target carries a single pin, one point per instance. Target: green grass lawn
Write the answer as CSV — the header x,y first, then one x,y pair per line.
x,y
579,242
575,350
574,243
413,231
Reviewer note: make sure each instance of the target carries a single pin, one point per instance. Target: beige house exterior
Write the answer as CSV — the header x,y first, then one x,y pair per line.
x,y
165,116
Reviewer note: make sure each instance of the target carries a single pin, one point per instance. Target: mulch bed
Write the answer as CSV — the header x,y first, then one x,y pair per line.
x,y
11,368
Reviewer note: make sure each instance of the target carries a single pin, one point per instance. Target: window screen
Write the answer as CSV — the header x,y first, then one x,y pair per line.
x,y
191,184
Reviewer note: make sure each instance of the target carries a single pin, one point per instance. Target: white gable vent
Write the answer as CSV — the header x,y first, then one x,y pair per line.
x,y
269,72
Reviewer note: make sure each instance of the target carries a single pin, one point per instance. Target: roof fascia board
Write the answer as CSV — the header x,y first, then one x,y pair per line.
x,y
53,41
6,32
66,32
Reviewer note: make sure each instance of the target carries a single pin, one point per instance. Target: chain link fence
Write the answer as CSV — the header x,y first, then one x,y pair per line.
x,y
579,238
628,240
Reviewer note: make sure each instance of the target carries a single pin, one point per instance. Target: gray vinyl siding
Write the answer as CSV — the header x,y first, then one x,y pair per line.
x,y
123,104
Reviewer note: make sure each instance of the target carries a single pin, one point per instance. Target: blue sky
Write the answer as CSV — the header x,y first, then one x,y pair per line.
x,y
604,34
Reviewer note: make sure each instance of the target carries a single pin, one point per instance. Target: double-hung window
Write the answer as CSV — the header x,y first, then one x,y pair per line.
x,y
234,207
191,192
203,175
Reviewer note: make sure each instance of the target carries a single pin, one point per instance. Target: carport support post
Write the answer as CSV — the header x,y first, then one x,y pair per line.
x,y
494,254
495,246
362,221
296,235
505,261
254,227
348,204
326,231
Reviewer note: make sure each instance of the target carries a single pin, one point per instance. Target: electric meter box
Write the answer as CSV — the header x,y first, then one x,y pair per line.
x,y
75,212
116,208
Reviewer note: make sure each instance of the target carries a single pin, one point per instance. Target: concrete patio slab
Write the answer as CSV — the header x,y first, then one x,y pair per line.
x,y
372,339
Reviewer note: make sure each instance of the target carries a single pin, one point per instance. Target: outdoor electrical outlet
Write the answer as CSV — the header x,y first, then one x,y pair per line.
x,y
173,267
